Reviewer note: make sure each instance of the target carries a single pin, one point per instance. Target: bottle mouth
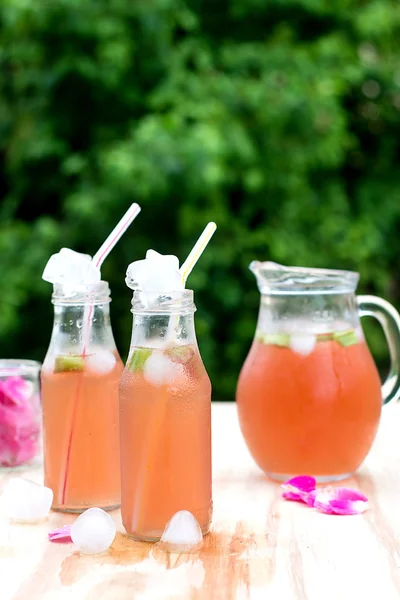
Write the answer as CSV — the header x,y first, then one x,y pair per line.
x,y
171,302
11,367
273,278
90,293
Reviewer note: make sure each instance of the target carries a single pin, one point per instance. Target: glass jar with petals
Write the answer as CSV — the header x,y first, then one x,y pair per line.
x,y
20,413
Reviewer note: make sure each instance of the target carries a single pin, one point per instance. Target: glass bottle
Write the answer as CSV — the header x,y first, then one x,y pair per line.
x,y
165,415
309,395
80,377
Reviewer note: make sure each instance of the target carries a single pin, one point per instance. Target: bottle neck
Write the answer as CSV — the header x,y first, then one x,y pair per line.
x,y
81,328
159,330
163,319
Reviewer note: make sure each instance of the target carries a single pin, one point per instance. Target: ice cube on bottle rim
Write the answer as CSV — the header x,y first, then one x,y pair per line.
x,y
71,268
155,274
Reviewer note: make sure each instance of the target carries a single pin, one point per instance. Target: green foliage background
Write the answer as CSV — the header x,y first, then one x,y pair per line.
x,y
278,119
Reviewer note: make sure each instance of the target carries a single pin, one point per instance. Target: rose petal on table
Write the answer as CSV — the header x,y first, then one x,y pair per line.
x,y
305,483
62,534
340,501
298,488
310,500
296,496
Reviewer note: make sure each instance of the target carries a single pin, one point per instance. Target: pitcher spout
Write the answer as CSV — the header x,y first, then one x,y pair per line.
x,y
279,279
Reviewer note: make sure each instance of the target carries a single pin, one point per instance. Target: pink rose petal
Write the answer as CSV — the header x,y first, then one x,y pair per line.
x,y
62,534
14,390
20,422
298,488
340,501
329,500
310,500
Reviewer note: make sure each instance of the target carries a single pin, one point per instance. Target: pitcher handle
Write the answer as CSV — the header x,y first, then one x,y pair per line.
x,y
389,318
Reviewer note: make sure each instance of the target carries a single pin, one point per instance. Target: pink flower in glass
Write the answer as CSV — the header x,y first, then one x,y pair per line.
x,y
19,422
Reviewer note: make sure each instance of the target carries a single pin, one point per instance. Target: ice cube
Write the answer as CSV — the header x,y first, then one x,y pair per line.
x,y
169,260
71,268
25,501
303,343
155,273
182,533
159,369
101,361
93,531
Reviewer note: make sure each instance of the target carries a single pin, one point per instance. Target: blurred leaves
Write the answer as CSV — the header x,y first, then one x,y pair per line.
x,y
279,120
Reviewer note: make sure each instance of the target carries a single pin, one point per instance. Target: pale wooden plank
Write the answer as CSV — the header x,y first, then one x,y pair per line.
x,y
260,546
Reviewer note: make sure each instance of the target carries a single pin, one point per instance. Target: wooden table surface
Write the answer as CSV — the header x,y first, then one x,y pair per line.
x,y
260,546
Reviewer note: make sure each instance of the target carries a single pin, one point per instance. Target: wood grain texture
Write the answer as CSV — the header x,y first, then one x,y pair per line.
x,y
259,546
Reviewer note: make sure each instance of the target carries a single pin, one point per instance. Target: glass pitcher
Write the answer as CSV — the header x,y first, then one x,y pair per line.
x,y
309,395
80,377
165,416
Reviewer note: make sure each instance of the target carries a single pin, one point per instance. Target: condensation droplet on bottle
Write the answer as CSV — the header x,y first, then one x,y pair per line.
x,y
71,322
79,323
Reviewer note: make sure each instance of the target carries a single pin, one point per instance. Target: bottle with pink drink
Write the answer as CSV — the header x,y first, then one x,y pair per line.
x,y
80,377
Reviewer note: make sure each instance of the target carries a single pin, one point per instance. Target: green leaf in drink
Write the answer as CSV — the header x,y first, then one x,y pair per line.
x,y
324,337
139,357
180,354
274,339
346,338
69,364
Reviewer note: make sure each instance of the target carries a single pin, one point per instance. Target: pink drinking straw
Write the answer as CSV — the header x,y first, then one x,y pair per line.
x,y
102,254
115,235
98,260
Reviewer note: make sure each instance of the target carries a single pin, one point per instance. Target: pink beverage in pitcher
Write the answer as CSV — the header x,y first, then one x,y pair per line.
x,y
80,402
309,395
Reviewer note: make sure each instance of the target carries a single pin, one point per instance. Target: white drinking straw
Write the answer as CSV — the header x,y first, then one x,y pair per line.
x,y
188,265
197,251
101,255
